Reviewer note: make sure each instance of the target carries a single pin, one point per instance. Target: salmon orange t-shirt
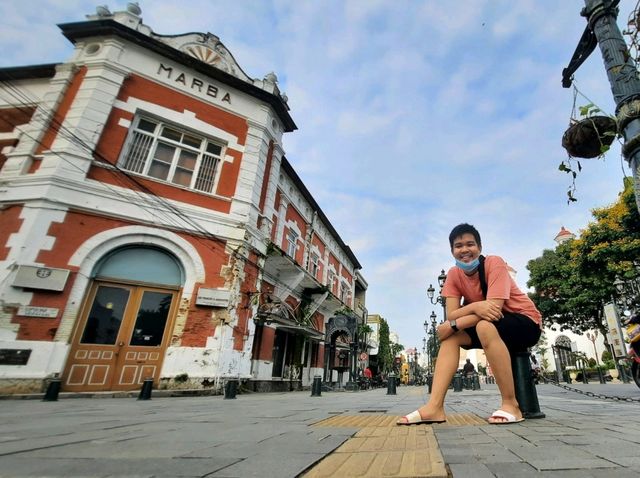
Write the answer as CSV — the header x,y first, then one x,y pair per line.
x,y
500,285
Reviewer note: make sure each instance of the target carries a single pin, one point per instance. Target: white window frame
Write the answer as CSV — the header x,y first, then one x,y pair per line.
x,y
330,277
343,291
138,156
314,264
292,242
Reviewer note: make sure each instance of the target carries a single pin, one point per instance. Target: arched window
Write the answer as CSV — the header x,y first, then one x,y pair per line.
x,y
150,265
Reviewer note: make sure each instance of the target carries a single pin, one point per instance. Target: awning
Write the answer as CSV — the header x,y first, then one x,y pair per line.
x,y
300,329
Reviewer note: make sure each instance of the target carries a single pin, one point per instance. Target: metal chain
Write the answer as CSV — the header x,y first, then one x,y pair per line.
x,y
594,395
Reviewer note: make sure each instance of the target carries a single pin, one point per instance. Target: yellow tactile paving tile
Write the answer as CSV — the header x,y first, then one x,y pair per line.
x,y
386,421
385,452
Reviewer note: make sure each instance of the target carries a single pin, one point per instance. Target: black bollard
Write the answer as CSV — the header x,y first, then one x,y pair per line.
x,y
51,395
316,387
526,393
457,382
230,389
145,391
623,373
429,382
476,381
391,384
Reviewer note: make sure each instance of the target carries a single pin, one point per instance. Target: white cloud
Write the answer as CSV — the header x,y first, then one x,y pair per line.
x,y
414,116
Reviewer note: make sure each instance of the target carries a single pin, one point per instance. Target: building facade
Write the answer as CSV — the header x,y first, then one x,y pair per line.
x,y
152,227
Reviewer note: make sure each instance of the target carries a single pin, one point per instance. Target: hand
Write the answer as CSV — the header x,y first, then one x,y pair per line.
x,y
444,331
488,310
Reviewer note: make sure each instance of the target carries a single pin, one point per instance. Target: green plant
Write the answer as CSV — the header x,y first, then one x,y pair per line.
x,y
590,136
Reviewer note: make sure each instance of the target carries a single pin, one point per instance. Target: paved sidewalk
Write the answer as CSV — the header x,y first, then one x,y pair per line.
x,y
279,435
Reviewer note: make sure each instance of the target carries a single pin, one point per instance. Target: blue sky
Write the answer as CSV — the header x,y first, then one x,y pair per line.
x,y
413,116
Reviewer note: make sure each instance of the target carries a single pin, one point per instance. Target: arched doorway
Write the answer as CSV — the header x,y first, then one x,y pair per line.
x,y
126,320
563,354
340,349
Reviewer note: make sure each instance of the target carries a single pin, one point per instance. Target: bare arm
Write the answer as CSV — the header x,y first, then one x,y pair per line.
x,y
469,315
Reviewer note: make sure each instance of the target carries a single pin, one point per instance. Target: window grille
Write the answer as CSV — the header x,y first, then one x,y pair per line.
x,y
169,154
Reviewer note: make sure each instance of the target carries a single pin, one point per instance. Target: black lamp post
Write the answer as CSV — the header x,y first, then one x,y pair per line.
x,y
628,296
628,293
603,30
438,300
424,350
433,341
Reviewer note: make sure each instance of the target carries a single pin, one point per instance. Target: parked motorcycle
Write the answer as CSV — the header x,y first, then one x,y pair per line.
x,y
633,331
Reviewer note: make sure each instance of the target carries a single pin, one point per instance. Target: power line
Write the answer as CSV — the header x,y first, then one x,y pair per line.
x,y
150,197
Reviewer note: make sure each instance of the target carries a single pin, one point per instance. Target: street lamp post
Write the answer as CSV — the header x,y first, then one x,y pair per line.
x,y
435,344
593,337
438,300
628,296
621,70
424,346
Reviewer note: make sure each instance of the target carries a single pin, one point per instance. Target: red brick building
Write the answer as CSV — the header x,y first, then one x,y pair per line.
x,y
151,225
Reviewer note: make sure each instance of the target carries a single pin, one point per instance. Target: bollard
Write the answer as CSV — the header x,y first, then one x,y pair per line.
x,y
145,391
526,393
429,382
316,387
457,382
391,384
623,372
53,389
230,389
476,381
567,377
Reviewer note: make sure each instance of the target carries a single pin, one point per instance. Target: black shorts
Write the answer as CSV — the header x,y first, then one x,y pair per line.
x,y
517,331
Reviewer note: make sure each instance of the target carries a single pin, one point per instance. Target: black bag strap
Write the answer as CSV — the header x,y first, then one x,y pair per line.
x,y
483,278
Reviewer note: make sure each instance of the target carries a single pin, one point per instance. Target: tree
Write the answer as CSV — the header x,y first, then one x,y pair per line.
x,y
364,332
573,282
541,348
385,359
561,293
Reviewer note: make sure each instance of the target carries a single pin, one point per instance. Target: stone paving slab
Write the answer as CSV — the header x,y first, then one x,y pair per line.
x,y
62,467
274,435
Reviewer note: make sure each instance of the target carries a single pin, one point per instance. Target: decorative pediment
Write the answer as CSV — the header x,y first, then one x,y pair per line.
x,y
207,48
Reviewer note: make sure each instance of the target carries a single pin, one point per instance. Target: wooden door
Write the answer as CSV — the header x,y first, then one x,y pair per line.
x,y
121,337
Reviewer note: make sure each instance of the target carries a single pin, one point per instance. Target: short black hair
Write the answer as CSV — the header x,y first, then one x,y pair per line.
x,y
461,229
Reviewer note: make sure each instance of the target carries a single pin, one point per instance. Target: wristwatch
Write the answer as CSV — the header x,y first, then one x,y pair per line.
x,y
453,325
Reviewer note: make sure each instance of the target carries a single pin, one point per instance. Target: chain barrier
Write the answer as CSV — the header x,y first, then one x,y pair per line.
x,y
592,394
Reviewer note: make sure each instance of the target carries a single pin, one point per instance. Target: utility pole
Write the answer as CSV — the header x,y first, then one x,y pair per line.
x,y
603,30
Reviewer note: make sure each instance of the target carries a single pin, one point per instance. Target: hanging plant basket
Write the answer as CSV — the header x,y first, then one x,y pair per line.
x,y
590,137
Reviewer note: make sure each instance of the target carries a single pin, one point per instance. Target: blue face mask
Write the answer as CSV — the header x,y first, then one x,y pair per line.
x,y
468,266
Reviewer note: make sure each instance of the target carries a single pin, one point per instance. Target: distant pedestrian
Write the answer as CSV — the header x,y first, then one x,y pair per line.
x,y
468,368
368,373
499,320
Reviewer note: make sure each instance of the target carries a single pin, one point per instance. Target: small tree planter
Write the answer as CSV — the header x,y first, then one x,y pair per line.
x,y
588,137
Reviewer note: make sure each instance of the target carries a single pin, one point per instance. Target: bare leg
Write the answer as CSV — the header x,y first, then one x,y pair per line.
x,y
446,366
500,359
